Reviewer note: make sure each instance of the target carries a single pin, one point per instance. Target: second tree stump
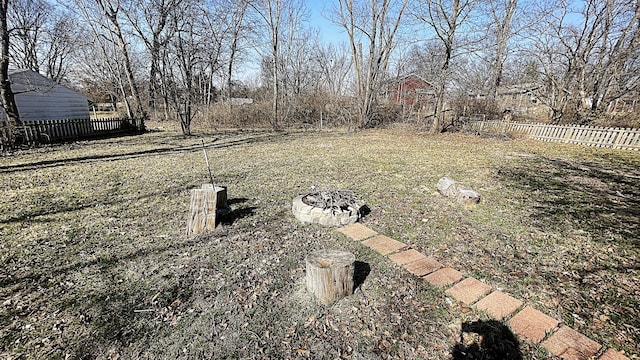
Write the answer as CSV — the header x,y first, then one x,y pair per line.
x,y
330,274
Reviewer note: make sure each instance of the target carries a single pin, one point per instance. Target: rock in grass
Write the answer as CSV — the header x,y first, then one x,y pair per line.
x,y
448,187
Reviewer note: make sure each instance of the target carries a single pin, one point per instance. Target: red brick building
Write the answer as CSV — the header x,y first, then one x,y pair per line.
x,y
409,90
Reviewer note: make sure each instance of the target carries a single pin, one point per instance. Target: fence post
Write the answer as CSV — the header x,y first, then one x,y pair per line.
x,y
618,139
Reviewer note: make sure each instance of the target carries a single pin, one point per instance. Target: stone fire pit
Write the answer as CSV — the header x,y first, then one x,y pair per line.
x,y
329,208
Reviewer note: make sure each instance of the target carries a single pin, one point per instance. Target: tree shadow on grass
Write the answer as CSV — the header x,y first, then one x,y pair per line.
x,y
602,199
120,311
496,342
587,215
48,208
237,213
173,149
123,311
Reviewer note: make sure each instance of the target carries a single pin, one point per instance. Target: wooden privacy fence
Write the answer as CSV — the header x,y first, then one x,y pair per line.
x,y
617,138
46,131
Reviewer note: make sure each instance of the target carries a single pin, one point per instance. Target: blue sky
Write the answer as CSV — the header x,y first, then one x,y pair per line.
x,y
329,32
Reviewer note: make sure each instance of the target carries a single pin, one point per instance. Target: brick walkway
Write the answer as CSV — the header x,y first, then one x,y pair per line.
x,y
525,321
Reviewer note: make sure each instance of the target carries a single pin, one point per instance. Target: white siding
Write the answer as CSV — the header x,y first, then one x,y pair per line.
x,y
39,98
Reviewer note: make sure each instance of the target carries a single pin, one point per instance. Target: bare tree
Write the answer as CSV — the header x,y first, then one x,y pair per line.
x,y
102,76
43,38
181,63
149,20
6,94
446,19
301,75
281,19
111,10
59,45
192,60
376,23
554,64
28,20
501,13
426,60
587,56
335,65
299,71
611,69
238,29
215,36
270,11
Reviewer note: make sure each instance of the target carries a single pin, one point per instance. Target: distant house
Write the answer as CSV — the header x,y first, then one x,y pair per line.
x,y
519,97
40,98
409,90
512,99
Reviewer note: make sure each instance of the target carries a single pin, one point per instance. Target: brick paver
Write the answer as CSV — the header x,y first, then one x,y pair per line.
x,y
531,324
423,267
406,257
468,290
498,305
612,355
571,345
443,277
383,244
357,231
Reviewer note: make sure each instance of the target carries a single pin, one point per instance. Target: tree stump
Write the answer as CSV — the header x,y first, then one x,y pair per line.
x,y
330,274
221,198
205,204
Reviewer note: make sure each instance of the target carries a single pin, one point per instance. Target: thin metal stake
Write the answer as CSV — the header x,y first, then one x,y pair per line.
x,y
206,158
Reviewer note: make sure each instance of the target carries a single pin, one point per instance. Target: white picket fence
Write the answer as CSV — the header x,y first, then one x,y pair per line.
x,y
617,138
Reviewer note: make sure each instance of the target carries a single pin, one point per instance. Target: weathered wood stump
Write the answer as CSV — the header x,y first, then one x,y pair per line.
x,y
206,203
453,189
330,274
221,198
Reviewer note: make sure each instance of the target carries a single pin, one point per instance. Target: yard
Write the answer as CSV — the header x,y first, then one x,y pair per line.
x,y
96,264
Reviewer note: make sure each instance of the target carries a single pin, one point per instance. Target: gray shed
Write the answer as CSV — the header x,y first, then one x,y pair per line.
x,y
40,98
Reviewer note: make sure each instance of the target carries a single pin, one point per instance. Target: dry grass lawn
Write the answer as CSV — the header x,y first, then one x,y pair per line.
x,y
95,262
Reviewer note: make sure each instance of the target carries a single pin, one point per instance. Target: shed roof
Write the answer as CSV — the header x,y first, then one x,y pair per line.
x,y
40,98
25,80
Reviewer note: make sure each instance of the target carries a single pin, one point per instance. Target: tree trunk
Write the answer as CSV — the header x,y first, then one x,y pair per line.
x,y
154,71
438,116
185,118
276,87
502,22
140,112
112,15
330,274
6,94
230,74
